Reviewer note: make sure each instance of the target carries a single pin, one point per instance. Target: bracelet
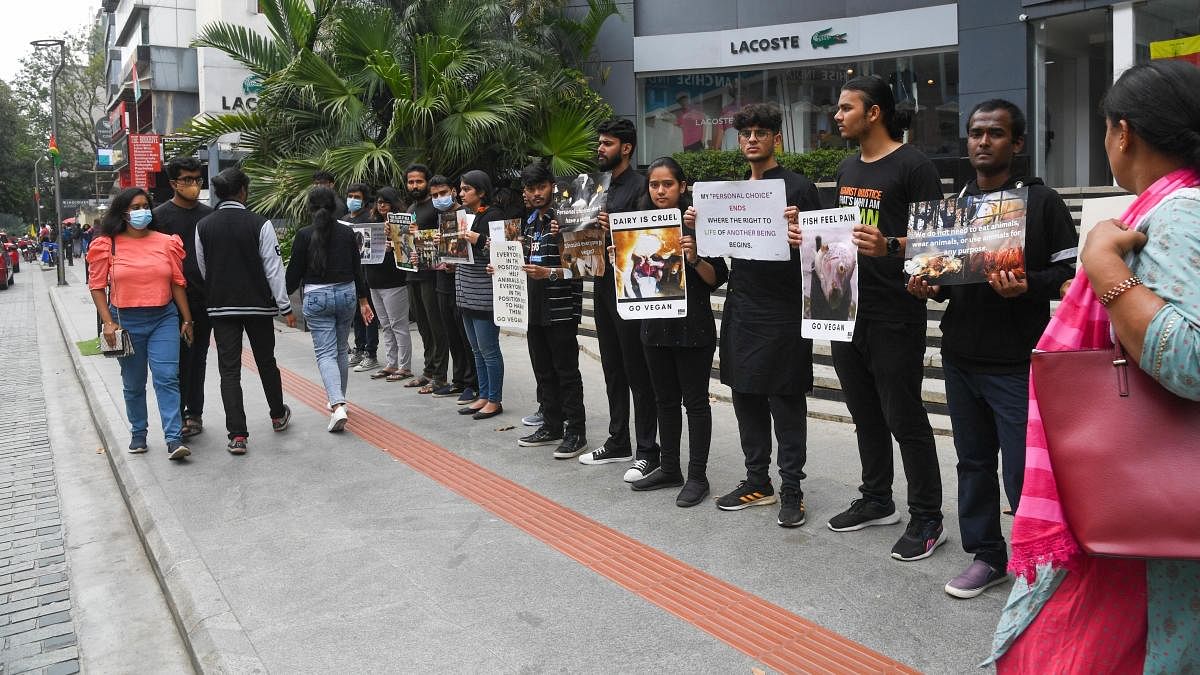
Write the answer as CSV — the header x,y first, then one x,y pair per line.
x,y
189,323
1116,291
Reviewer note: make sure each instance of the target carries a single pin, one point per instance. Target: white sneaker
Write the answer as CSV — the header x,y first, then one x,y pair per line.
x,y
640,469
337,421
367,363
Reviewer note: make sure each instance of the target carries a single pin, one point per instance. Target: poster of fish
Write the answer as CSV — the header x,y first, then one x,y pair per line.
x,y
648,264
830,282
453,249
578,203
964,240
402,242
371,239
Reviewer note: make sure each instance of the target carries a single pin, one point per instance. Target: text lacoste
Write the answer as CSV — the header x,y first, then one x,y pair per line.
x,y
822,39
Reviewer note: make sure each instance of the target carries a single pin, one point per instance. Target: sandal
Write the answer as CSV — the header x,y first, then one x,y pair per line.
x,y
431,387
418,382
399,375
192,426
380,374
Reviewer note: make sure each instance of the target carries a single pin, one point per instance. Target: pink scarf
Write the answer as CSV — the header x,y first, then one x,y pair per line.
x,y
1040,533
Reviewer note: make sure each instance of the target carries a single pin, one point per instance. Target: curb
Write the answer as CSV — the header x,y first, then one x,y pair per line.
x,y
212,634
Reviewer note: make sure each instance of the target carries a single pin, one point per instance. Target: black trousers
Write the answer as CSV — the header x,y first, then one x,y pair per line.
x,y
366,336
193,361
624,363
680,375
881,373
461,356
755,414
227,331
422,296
554,354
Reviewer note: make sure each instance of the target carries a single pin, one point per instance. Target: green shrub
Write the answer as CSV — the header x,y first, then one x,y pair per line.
x,y
709,165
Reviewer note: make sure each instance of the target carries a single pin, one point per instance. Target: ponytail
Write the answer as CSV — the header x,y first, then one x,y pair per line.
x,y
875,91
321,201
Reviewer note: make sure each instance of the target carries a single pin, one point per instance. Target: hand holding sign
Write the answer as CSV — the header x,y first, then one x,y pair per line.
x,y
742,219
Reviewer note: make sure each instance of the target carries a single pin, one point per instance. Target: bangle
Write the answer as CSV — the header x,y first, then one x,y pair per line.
x,y
188,323
1116,291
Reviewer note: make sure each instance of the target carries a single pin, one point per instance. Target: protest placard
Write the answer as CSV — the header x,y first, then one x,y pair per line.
x,y
452,248
964,240
648,264
510,296
371,239
830,282
403,244
742,219
578,202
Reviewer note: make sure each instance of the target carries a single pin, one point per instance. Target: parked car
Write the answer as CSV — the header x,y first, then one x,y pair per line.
x,y
6,272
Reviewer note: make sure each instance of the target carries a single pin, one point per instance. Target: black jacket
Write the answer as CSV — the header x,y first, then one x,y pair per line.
x,y
238,256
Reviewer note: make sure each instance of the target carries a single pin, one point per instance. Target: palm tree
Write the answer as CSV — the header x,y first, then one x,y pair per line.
x,y
363,88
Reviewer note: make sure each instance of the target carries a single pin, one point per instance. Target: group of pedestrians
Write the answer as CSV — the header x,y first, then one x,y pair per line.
x,y
227,273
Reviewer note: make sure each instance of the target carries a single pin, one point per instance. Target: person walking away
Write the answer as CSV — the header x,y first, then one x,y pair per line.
x,y
422,289
473,293
68,241
325,259
464,382
178,216
366,335
142,268
238,256
390,298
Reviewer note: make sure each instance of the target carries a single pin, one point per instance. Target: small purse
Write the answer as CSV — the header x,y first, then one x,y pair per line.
x,y
1125,451
124,343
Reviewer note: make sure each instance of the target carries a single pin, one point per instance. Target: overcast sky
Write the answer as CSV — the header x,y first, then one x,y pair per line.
x,y
26,20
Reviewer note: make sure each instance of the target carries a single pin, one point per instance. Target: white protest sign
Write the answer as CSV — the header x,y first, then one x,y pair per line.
x,y
648,264
510,296
371,239
742,219
830,282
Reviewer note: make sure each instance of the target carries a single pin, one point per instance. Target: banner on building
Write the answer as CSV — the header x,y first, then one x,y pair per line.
x,y
742,219
648,264
1183,49
965,240
830,283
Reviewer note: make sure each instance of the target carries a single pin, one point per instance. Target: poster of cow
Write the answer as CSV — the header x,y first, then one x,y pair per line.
x,y
830,282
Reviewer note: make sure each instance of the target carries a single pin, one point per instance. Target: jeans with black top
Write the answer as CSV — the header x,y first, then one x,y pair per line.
x,y
154,332
260,330
989,413
484,336
329,313
554,355
680,375
881,373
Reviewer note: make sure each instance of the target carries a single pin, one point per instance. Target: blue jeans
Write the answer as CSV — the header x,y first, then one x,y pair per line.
x,y
155,335
989,413
484,337
329,312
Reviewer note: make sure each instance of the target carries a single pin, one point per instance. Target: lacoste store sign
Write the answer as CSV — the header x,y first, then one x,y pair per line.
x,y
822,39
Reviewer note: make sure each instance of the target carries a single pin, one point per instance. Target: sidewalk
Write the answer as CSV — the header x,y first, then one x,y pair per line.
x,y
319,553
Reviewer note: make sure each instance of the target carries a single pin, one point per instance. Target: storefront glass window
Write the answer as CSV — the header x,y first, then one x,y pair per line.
x,y
695,111
1167,29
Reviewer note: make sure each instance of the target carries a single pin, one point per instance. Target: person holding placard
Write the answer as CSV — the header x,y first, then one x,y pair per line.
x,y
422,289
389,294
988,333
764,357
679,352
473,293
366,336
463,380
882,368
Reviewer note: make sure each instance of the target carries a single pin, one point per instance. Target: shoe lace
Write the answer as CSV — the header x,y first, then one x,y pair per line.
x,y
641,465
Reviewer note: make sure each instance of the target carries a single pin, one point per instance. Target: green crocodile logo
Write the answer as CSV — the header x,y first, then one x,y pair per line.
x,y
824,39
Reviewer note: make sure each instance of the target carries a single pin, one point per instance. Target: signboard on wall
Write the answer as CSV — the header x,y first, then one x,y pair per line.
x,y
145,158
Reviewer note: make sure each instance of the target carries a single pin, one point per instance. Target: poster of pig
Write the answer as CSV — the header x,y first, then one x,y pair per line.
x,y
830,281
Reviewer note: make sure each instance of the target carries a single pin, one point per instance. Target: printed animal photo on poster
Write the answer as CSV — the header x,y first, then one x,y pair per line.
x,y
965,240
830,282
648,264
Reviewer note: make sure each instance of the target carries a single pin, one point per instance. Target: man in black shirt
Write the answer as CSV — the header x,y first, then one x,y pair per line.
x,y
464,382
988,333
422,289
882,369
764,358
366,336
179,217
621,355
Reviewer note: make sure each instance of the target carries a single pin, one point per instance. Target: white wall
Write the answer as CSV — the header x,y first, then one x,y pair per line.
x,y
220,76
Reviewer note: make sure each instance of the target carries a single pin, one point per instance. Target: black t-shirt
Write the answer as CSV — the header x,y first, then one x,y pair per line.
x,y
699,327
182,222
882,191
425,214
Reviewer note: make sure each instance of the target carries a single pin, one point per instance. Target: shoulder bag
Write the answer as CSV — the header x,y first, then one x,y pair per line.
x,y
124,344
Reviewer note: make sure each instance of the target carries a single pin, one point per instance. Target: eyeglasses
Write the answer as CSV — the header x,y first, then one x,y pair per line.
x,y
758,134
189,180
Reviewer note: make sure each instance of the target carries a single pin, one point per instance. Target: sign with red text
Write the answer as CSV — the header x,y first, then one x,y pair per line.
x,y
742,219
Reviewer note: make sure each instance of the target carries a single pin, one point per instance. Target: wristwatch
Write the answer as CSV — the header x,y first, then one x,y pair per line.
x,y
893,245
553,274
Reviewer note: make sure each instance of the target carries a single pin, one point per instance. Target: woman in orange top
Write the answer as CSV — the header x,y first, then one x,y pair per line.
x,y
136,278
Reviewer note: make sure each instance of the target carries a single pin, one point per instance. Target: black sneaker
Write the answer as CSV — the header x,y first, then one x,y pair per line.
x,y
572,446
237,445
447,391
919,540
791,508
864,513
657,480
542,436
137,444
693,492
176,450
281,423
605,455
468,395
746,495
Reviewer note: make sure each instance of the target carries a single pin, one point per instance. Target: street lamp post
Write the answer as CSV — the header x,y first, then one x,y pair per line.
x,y
37,195
62,61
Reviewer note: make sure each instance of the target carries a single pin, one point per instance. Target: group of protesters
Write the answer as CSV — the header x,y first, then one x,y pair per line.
x,y
195,271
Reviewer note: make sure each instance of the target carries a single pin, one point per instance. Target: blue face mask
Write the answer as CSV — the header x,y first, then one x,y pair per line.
x,y
354,204
443,203
140,218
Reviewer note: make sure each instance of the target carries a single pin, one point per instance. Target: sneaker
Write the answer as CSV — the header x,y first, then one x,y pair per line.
x,y
791,508
355,359
337,420
573,445
657,480
137,444
640,469
281,423
746,495
534,420
977,578
237,445
177,450
919,540
468,396
446,391
864,513
693,492
367,362
604,455
542,436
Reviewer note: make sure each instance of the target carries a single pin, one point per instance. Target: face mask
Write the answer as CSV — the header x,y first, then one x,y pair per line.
x,y
443,203
140,218
189,192
354,204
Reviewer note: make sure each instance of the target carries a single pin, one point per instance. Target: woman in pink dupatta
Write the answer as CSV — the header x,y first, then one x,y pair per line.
x,y
1069,612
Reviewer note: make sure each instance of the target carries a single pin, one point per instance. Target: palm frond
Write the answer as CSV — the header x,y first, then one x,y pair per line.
x,y
249,48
